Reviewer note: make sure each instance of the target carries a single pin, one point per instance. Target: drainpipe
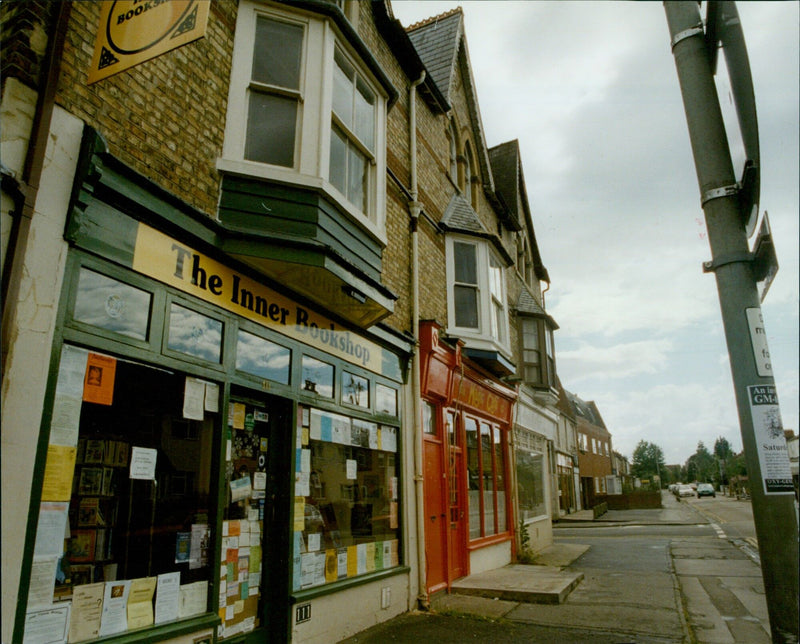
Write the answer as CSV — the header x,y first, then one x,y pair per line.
x,y
28,188
414,209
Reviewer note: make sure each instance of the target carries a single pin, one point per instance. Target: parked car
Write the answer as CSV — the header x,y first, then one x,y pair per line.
x,y
684,490
705,489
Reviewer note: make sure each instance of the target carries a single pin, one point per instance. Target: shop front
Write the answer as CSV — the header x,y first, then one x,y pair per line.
x,y
217,458
467,418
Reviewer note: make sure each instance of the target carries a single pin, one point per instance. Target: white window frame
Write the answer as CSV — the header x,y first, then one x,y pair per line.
x,y
480,338
314,126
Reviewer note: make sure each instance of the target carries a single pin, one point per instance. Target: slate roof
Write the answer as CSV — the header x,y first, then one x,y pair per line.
x,y
437,40
504,159
586,410
461,217
509,185
527,304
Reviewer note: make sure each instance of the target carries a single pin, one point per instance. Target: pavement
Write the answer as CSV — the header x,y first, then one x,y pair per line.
x,y
712,594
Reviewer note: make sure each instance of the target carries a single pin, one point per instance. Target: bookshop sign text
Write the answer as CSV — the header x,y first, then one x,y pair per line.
x,y
182,267
133,31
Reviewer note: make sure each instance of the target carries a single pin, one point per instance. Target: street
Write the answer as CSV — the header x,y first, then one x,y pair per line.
x,y
686,573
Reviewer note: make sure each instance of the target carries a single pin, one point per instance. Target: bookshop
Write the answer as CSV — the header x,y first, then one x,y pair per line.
x,y
213,451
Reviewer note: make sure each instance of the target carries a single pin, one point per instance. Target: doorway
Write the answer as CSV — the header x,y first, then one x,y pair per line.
x,y
445,514
257,485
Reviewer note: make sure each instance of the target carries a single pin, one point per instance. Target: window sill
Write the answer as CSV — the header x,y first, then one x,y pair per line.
x,y
494,539
475,340
291,178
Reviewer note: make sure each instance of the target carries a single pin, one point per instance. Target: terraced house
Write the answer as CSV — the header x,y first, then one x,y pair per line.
x,y
276,359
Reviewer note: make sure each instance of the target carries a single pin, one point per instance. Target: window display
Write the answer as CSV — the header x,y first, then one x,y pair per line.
x,y
134,494
346,498
485,469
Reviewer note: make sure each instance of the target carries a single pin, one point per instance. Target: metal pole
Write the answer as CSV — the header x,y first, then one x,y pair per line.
x,y
773,513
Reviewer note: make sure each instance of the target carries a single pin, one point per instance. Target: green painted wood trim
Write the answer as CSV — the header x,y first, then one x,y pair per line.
x,y
300,596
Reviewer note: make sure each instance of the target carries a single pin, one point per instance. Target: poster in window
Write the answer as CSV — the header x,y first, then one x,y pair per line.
x,y
82,545
91,481
98,387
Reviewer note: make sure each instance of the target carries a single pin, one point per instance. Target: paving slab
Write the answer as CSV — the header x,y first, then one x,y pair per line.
x,y
559,555
715,568
521,583
492,608
609,616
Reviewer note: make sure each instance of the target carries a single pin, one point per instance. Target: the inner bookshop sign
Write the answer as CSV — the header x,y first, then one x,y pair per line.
x,y
133,31
171,262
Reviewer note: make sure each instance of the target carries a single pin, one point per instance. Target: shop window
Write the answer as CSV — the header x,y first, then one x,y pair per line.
x,y
386,400
346,515
317,377
355,390
194,334
486,479
139,499
530,484
262,358
109,304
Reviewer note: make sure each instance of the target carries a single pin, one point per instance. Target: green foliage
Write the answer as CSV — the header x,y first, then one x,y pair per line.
x,y
702,466
648,462
722,449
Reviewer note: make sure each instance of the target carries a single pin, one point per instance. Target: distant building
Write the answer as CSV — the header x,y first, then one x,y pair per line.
x,y
594,450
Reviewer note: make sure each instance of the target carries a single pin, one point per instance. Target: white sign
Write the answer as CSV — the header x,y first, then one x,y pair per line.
x,y
758,338
773,454
143,463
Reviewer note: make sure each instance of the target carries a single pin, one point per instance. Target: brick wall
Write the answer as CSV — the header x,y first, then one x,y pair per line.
x,y
164,117
24,29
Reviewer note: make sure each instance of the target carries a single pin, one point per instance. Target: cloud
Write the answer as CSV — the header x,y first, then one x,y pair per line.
x,y
674,416
615,362
591,91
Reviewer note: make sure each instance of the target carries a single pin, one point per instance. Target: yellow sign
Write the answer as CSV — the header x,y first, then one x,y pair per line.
x,y
133,31
166,260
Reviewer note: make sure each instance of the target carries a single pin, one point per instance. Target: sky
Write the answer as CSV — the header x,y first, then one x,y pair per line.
x,y
591,92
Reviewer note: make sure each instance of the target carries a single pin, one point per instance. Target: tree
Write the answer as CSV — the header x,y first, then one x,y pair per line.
x,y
722,449
723,452
648,461
701,465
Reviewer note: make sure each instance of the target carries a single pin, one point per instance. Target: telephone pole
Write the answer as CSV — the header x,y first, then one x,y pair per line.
x,y
728,208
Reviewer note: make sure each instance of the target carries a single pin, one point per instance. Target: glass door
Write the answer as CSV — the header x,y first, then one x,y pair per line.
x,y
253,591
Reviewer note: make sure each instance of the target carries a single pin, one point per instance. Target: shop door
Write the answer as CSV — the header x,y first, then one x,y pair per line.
x,y
436,525
257,488
457,542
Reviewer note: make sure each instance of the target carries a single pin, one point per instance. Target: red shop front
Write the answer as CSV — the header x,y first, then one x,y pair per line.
x,y
467,416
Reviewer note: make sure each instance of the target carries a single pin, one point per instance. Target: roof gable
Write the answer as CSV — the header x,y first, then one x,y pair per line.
x,y
436,41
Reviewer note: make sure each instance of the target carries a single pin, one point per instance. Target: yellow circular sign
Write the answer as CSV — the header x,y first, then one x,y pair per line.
x,y
134,26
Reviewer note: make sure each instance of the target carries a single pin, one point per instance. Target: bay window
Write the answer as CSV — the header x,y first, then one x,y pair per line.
x,y
353,133
274,93
304,110
477,294
538,356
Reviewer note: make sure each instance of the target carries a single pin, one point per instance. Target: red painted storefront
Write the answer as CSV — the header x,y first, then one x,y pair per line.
x,y
468,495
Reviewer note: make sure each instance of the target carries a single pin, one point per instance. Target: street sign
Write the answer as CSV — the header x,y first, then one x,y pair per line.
x,y
723,27
765,261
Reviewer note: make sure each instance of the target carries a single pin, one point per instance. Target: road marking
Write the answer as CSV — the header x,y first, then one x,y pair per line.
x,y
720,533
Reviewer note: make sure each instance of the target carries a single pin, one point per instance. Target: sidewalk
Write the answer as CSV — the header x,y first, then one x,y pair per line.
x,y
714,595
